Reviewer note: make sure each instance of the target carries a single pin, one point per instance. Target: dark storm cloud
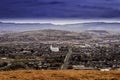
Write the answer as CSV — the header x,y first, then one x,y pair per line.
x,y
59,9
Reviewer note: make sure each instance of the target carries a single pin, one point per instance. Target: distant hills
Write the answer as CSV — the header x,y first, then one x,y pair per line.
x,y
20,27
56,36
44,35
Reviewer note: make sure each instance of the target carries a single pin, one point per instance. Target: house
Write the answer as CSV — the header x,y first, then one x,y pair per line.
x,y
82,67
106,69
84,45
54,49
4,58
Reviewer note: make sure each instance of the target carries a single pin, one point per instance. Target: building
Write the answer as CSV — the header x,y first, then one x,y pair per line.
x,y
82,67
106,69
54,49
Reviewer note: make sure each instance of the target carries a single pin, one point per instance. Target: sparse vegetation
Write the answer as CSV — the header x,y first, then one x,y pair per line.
x,y
59,75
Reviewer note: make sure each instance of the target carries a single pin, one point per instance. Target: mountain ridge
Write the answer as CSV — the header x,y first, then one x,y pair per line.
x,y
20,27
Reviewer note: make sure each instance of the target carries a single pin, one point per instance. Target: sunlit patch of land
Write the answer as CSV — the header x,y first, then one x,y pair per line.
x,y
59,75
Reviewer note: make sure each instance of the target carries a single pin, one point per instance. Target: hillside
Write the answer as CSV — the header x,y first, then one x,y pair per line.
x,y
60,75
43,35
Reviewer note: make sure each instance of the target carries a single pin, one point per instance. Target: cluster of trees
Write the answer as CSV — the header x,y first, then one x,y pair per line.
x,y
39,56
98,57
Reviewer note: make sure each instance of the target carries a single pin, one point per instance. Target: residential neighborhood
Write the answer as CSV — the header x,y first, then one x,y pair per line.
x,y
86,53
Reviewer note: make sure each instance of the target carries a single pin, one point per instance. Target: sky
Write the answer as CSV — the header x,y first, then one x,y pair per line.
x,y
59,12
59,9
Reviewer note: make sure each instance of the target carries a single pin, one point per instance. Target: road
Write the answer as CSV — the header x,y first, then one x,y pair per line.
x,y
66,60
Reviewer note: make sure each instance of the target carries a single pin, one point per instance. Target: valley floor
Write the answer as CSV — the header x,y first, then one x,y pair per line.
x,y
59,75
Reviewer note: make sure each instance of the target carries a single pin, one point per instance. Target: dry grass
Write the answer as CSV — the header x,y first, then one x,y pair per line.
x,y
59,75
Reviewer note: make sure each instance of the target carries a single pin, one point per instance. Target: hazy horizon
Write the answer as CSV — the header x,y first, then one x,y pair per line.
x,y
69,25
59,21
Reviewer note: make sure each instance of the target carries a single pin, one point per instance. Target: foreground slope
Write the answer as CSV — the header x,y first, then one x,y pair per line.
x,y
60,75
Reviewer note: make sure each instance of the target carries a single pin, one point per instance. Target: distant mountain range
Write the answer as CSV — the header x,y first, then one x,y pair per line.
x,y
20,27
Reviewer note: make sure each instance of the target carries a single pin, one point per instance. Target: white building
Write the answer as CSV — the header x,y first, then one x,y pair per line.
x,y
85,45
82,67
4,58
54,49
107,69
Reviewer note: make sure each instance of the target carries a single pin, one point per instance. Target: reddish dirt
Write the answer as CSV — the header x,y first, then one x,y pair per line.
x,y
59,75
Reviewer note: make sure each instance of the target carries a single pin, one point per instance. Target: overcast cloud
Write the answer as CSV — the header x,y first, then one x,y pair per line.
x,y
60,9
